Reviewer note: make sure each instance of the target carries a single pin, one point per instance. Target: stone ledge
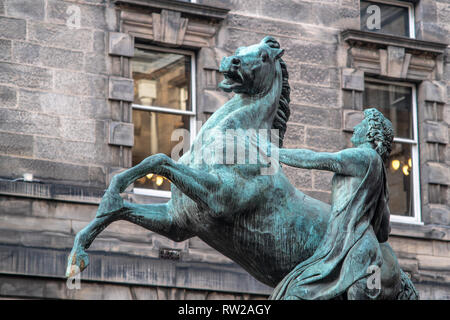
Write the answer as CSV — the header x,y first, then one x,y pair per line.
x,y
51,191
189,8
115,268
383,41
430,231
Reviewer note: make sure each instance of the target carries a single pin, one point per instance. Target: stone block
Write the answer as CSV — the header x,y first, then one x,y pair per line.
x,y
63,150
63,210
207,59
429,31
322,54
76,83
300,178
15,206
439,214
97,175
395,62
95,63
26,9
16,144
325,139
436,132
82,130
437,173
90,16
352,79
213,100
25,76
44,56
352,99
44,170
51,103
121,44
11,222
322,180
310,74
315,116
8,97
433,91
121,133
144,293
60,36
13,28
319,195
23,122
294,136
333,15
99,41
5,50
121,89
318,96
351,119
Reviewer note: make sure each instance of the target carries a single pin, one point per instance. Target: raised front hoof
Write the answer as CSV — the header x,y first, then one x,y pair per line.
x,y
77,262
111,203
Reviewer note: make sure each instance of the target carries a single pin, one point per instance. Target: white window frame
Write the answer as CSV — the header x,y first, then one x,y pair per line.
x,y
191,113
411,13
417,218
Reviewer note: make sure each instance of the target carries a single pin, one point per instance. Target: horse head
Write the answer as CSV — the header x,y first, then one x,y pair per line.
x,y
251,70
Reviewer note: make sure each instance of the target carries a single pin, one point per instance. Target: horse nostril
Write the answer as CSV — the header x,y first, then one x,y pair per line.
x,y
235,61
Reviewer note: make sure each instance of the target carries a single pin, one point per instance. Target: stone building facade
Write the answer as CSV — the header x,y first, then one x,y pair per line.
x,y
67,100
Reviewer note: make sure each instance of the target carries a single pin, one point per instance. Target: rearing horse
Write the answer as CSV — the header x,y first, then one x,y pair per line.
x,y
261,222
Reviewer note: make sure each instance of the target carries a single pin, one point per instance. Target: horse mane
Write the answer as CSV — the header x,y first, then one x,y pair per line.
x,y
283,111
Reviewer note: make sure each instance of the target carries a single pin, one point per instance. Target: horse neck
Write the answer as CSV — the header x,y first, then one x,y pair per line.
x,y
248,112
258,112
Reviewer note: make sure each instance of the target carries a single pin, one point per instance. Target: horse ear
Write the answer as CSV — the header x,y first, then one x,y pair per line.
x,y
271,42
276,52
279,53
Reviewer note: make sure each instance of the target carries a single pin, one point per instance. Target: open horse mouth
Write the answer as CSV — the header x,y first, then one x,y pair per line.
x,y
233,79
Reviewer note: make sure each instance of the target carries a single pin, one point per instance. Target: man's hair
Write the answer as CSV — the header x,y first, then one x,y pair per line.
x,y
380,132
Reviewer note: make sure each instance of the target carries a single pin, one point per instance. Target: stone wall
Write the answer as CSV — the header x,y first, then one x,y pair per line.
x,y
59,105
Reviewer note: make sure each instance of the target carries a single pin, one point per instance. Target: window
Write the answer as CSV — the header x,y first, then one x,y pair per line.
x,y
397,101
388,17
164,101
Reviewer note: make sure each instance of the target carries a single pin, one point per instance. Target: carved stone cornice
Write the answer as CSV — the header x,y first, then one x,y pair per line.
x,y
172,24
378,40
393,56
187,8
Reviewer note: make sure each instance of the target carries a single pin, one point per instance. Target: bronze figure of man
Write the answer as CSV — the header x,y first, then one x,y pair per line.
x,y
359,218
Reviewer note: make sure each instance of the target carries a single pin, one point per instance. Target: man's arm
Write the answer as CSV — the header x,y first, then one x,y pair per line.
x,y
351,162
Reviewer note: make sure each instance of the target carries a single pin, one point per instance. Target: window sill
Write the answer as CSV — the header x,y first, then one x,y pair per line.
x,y
421,231
379,40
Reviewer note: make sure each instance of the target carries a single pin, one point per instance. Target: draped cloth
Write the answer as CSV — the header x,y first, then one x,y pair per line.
x,y
359,221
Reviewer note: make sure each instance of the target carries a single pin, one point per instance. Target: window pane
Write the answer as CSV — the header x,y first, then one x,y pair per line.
x,y
400,179
384,18
152,133
162,79
395,102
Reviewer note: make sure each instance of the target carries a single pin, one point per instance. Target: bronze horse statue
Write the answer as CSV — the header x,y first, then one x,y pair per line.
x,y
260,221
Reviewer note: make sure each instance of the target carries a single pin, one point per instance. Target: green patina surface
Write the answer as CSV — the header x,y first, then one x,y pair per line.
x,y
281,236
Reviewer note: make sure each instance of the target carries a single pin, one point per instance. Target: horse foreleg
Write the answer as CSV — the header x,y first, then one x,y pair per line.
x,y
154,217
198,185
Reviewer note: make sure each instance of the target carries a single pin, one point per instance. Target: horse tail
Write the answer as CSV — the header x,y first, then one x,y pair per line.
x,y
407,291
